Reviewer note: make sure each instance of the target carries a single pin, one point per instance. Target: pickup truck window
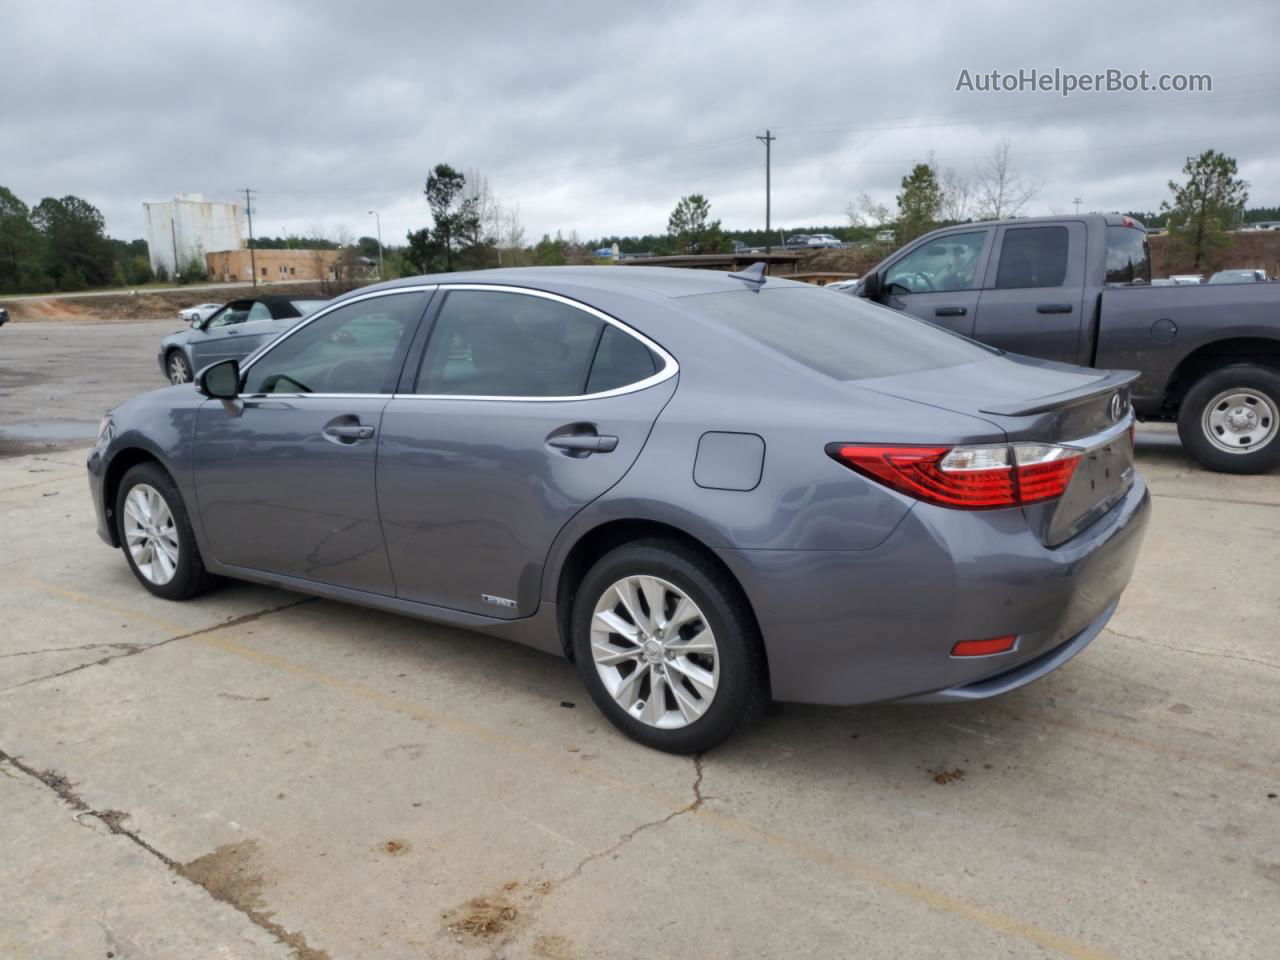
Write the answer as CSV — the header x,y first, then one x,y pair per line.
x,y
1032,257
841,336
947,263
1128,258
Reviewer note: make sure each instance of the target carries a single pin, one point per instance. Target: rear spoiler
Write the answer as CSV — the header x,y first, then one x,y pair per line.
x,y
1114,380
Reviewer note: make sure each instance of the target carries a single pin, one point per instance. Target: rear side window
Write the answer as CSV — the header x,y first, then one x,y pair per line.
x,y
1032,257
1128,257
841,336
493,344
620,359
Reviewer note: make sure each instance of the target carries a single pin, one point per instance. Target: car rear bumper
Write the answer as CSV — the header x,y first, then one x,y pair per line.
x,y
847,627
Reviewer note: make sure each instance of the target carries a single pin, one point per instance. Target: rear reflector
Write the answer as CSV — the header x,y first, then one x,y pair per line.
x,y
967,478
984,648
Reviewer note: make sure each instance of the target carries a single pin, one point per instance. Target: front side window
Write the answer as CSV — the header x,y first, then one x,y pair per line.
x,y
231,314
1032,257
1128,258
259,311
495,344
357,348
948,263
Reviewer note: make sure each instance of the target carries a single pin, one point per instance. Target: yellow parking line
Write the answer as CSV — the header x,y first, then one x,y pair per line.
x,y
92,601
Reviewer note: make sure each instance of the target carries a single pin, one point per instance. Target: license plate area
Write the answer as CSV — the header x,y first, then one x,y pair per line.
x,y
1102,477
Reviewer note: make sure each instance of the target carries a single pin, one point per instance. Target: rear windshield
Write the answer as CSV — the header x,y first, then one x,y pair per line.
x,y
1128,259
305,307
837,334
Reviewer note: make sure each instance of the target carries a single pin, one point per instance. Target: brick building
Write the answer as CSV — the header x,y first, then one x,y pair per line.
x,y
273,265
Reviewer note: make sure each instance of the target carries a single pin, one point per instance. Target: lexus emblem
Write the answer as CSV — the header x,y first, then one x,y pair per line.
x,y
1117,407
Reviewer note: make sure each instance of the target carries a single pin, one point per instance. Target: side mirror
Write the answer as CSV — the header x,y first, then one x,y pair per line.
x,y
220,380
871,286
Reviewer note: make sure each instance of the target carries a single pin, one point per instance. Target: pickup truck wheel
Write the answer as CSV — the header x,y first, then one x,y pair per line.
x,y
1230,419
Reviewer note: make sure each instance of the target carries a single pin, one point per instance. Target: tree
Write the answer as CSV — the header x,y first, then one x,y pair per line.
x,y
1204,207
957,195
919,203
77,253
21,247
1000,192
456,217
548,252
691,227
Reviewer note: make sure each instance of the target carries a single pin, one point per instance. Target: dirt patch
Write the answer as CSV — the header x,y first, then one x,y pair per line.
x,y
231,874
138,305
944,777
395,848
552,946
483,918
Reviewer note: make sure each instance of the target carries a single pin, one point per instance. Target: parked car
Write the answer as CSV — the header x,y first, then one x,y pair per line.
x,y
842,284
234,330
199,312
1239,276
707,489
1078,290
822,240
1187,279
4,316
799,240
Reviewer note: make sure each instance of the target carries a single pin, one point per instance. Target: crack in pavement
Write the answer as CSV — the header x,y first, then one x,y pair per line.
x,y
631,834
1242,503
1198,653
113,820
142,648
87,646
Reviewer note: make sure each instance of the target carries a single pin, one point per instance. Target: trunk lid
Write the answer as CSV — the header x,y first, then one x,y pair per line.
x,y
1047,402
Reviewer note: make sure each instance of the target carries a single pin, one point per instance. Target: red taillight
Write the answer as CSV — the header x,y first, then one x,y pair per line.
x,y
984,648
968,478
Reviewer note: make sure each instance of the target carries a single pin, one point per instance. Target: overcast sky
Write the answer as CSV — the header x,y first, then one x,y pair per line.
x,y
598,117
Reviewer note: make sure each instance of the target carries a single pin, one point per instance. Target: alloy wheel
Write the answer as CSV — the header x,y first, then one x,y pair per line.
x,y
178,370
655,652
151,534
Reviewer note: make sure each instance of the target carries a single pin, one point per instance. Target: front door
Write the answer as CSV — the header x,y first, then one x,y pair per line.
x,y
939,280
524,409
284,475
1032,301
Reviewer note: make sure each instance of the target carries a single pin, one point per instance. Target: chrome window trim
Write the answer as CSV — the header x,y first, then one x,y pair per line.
x,y
669,365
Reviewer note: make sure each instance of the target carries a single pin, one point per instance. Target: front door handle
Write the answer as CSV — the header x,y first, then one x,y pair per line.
x,y
1054,308
349,432
950,312
584,443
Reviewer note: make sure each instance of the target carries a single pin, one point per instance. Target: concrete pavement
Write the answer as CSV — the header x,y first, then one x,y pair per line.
x,y
259,774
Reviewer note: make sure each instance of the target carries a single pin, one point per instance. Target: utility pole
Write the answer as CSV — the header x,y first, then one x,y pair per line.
x,y
173,232
378,218
767,140
248,209
1077,201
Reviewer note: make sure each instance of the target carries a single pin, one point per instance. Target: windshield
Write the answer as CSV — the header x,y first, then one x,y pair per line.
x,y
842,336
305,307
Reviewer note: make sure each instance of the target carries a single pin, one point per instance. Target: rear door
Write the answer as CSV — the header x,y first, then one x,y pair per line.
x,y
523,408
940,280
1032,300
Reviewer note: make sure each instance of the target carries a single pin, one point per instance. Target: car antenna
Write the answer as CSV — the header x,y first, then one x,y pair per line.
x,y
753,276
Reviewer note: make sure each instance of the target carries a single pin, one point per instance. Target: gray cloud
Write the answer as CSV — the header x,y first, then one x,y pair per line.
x,y
596,118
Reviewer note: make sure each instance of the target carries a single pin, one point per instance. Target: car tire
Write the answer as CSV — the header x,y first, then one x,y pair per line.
x,y
1230,419
709,687
177,366
156,537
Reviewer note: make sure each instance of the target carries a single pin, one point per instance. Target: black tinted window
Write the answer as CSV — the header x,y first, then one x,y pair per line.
x,y
492,344
1128,259
1033,257
620,359
841,336
354,349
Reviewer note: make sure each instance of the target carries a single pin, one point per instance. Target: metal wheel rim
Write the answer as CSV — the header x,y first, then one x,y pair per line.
x,y
151,534
178,369
654,652
1240,420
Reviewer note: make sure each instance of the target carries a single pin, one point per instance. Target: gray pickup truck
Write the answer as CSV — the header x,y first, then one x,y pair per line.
x,y
1078,290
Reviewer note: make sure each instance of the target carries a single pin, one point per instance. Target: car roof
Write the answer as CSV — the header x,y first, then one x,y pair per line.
x,y
669,282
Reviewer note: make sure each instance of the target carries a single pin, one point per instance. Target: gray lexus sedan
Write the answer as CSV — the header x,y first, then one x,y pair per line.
x,y
706,489
234,330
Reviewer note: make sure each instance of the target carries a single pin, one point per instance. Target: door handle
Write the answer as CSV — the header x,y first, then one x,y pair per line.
x,y
584,443
950,311
343,432
1054,308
